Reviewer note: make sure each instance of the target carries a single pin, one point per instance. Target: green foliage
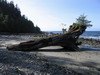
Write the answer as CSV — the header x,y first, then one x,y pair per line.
x,y
3,22
82,21
11,20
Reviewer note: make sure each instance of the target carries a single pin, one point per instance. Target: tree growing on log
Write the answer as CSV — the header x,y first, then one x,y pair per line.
x,y
67,40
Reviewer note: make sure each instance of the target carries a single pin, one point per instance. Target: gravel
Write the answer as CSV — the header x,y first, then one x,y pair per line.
x,y
22,63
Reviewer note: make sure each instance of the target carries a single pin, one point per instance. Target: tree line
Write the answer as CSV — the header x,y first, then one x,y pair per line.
x,y
11,20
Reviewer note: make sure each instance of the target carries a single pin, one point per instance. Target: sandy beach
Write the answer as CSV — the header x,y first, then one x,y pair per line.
x,y
49,37
23,63
84,62
52,60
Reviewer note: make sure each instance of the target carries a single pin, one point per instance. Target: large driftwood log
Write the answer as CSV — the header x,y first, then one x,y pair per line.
x,y
67,40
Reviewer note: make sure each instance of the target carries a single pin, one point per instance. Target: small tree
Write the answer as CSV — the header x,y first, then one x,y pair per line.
x,y
80,25
63,29
82,21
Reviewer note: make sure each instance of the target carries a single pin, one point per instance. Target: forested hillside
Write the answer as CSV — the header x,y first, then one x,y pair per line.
x,y
11,20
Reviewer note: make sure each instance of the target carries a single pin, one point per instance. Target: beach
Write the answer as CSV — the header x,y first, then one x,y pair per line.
x,y
85,61
52,60
49,37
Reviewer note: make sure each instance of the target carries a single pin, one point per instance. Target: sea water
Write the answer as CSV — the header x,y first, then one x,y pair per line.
x,y
91,34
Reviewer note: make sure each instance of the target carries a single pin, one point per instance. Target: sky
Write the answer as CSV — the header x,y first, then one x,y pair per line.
x,y
49,15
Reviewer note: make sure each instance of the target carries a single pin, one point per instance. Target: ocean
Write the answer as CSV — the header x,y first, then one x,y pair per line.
x,y
86,34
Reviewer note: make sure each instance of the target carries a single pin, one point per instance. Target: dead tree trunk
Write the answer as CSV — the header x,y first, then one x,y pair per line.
x,y
68,41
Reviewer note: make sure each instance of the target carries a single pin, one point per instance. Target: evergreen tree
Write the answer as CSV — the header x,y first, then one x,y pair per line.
x,y
81,20
11,20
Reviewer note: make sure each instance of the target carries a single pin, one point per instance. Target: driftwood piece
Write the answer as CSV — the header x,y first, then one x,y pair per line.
x,y
67,40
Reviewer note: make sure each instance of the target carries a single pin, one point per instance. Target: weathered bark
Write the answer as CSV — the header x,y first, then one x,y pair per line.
x,y
67,40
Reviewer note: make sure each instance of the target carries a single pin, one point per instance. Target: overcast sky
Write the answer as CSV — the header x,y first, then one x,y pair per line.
x,y
50,14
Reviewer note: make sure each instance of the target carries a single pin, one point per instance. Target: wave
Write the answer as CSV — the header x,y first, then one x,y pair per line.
x,y
91,37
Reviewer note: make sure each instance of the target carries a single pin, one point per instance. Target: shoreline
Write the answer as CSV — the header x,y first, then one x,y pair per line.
x,y
89,43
